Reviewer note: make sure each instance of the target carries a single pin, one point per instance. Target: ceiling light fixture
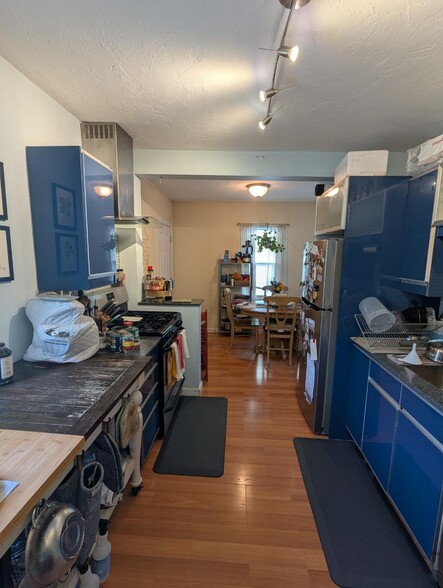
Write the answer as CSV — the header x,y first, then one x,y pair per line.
x,y
103,190
290,52
258,189
264,123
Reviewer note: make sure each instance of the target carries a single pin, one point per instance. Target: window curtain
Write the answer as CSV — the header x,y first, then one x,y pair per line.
x,y
267,265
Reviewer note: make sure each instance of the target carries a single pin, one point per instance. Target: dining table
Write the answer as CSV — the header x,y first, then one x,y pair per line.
x,y
259,311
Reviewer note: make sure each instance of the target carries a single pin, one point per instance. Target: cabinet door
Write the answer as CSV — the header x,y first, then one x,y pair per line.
x,y
378,433
100,224
416,482
357,395
417,229
55,188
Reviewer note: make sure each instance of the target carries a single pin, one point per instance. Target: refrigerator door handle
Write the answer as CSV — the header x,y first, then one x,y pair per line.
x,y
314,306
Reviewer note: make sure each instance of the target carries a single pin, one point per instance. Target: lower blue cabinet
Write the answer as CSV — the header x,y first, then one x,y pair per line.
x,y
416,482
357,395
378,432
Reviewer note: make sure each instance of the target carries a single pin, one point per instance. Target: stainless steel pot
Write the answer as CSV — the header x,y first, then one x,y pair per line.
x,y
434,350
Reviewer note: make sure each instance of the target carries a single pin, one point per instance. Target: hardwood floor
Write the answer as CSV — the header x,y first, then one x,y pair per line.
x,y
251,527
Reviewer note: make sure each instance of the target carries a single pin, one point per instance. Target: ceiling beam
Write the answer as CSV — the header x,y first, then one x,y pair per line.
x,y
283,165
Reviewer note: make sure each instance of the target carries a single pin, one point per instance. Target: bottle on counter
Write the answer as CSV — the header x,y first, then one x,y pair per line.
x,y
6,365
149,272
120,278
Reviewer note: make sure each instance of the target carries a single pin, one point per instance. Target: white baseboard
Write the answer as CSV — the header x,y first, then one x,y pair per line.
x,y
191,391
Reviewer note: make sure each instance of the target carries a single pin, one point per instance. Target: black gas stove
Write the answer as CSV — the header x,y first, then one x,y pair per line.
x,y
156,323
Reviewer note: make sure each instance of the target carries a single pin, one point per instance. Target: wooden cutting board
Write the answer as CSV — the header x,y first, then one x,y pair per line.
x,y
39,462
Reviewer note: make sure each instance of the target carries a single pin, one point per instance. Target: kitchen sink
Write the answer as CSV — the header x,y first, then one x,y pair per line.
x,y
431,373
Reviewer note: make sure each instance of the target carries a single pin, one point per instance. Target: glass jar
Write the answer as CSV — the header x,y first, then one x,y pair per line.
x,y
6,365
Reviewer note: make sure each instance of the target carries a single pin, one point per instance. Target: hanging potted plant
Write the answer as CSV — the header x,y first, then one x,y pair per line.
x,y
268,241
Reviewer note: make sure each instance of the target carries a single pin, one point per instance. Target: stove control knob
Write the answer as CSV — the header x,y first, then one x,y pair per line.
x,y
178,323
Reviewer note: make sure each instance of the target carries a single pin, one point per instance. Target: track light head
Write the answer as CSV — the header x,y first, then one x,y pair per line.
x,y
258,189
264,123
289,52
266,94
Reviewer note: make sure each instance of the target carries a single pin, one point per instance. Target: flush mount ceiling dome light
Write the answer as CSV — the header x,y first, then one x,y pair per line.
x,y
258,189
103,190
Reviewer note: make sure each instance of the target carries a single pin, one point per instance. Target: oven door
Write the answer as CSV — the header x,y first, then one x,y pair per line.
x,y
172,389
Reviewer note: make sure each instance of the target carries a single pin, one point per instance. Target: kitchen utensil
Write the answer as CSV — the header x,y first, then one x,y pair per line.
x,y
434,351
53,544
412,357
417,314
378,318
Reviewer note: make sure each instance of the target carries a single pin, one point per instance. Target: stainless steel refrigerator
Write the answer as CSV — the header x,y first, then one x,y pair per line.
x,y
320,290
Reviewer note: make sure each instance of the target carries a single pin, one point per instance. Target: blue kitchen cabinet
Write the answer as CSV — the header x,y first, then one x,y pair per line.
x,y
378,431
416,482
150,407
421,265
73,226
357,394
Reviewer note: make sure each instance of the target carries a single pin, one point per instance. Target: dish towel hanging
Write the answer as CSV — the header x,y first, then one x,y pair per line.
x,y
176,357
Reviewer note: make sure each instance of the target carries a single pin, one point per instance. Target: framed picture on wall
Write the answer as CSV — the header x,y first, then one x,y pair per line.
x,y
3,209
63,204
6,270
66,247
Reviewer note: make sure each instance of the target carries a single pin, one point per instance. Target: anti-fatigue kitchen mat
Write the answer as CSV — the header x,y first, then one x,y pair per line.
x,y
195,442
364,542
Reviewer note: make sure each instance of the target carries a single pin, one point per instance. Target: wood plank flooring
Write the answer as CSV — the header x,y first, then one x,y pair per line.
x,y
253,527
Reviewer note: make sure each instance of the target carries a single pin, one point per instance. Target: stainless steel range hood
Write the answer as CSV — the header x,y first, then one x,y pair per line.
x,y
112,145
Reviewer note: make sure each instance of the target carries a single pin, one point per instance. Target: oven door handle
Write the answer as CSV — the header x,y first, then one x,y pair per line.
x,y
177,398
167,349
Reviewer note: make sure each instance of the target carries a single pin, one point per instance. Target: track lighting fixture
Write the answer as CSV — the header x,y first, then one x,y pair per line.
x,y
289,52
266,94
258,189
264,123
286,51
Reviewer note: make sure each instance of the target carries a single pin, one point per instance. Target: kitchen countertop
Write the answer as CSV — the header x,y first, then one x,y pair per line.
x,y
70,398
423,388
38,461
193,302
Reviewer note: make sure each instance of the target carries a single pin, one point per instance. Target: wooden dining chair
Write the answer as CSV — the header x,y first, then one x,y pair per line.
x,y
240,324
281,318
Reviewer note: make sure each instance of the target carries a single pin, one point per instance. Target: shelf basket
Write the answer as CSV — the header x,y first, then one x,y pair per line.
x,y
397,338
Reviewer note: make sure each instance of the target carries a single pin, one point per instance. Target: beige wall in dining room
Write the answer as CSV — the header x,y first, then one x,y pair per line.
x,y
203,230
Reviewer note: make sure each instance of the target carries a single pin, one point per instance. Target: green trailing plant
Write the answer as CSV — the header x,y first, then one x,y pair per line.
x,y
268,241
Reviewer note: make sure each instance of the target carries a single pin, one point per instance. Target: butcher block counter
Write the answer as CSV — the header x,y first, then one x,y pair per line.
x,y
39,462
68,398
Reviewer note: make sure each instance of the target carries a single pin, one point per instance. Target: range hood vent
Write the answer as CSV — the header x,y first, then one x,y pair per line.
x,y
114,147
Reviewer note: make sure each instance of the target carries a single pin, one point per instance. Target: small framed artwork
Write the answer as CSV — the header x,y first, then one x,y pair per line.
x,y
6,269
3,209
63,205
66,247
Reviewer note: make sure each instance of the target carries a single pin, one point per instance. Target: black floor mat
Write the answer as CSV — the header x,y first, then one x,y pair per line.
x,y
365,544
195,442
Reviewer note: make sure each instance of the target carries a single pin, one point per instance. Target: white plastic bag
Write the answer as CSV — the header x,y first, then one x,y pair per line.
x,y
61,332
425,156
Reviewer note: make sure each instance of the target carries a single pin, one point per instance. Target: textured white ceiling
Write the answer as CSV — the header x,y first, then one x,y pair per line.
x,y
185,74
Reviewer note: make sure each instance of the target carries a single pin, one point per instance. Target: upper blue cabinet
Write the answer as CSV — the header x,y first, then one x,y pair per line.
x,y
421,265
72,218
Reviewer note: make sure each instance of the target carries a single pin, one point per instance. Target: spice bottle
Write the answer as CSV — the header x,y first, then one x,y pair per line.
x,y
6,365
120,277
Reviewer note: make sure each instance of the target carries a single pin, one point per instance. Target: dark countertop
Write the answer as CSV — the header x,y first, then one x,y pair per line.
x,y
70,398
194,302
427,391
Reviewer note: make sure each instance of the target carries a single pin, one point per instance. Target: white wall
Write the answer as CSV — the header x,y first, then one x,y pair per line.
x,y
28,116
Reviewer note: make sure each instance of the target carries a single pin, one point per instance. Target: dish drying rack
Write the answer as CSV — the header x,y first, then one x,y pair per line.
x,y
397,338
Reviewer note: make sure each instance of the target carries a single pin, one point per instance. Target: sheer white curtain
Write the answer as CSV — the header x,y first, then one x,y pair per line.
x,y
267,265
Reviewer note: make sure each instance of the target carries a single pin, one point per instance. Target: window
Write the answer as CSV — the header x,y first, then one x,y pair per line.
x,y
267,265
